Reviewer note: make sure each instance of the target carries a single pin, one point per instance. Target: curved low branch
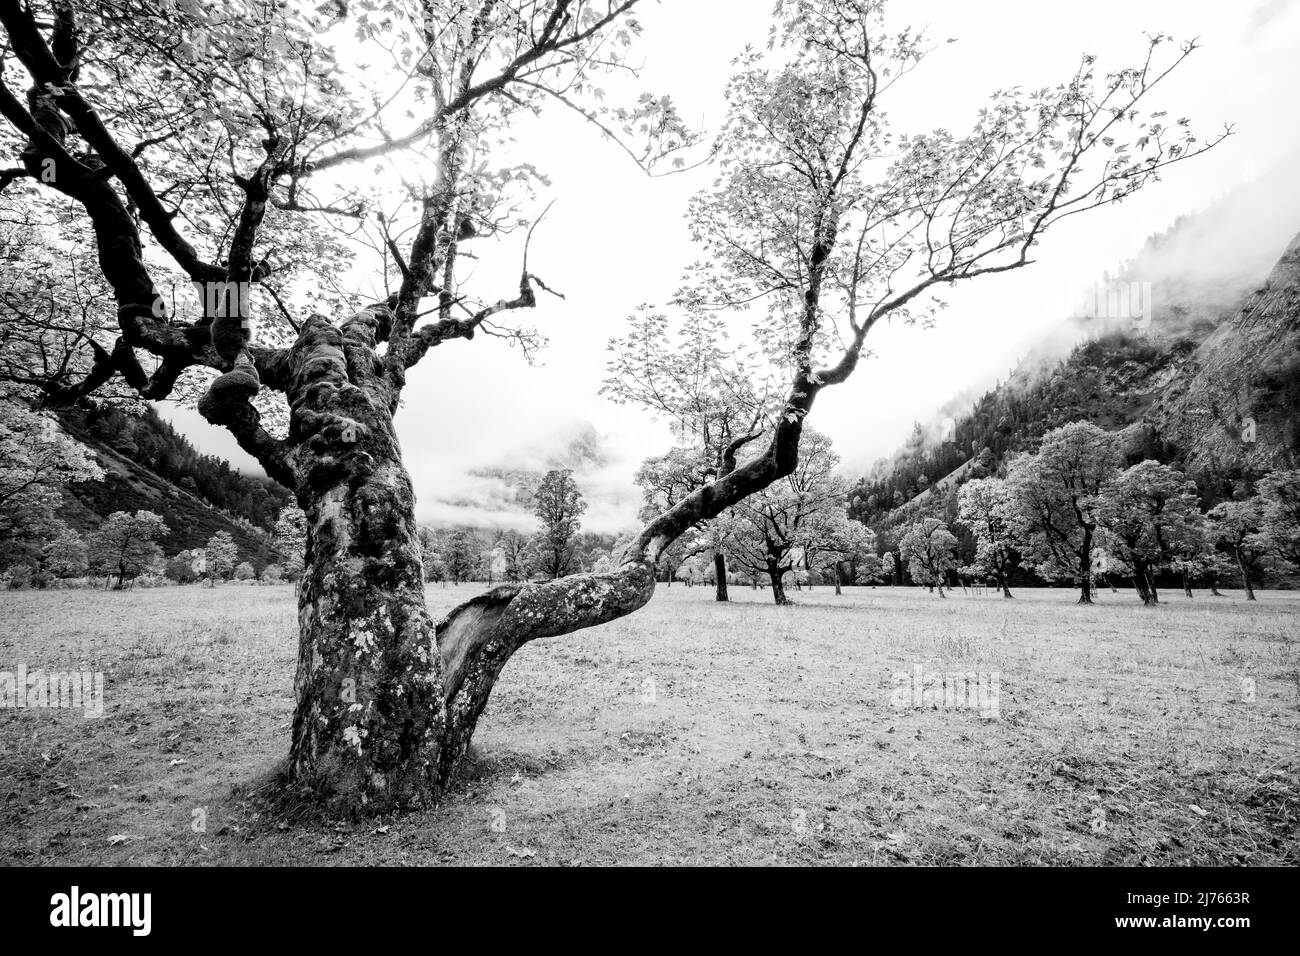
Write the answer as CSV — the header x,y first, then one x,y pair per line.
x,y
477,638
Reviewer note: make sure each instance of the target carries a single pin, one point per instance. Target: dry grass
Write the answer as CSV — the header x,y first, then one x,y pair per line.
x,y
693,733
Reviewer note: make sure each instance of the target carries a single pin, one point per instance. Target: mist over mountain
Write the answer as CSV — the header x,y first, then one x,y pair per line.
x,y
1191,349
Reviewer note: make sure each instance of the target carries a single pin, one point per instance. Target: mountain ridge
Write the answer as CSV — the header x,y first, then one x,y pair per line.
x,y
1217,396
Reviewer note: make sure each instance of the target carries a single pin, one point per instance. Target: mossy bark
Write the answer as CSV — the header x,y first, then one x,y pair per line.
x,y
370,717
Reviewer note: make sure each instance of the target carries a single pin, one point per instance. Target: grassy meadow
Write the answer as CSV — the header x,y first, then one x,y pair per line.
x,y
692,733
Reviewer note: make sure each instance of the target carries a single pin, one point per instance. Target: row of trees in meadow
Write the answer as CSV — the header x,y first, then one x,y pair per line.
x,y
1071,512
795,528
40,460
126,550
1011,419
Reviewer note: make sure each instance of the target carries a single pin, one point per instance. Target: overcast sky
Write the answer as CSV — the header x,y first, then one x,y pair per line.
x,y
615,238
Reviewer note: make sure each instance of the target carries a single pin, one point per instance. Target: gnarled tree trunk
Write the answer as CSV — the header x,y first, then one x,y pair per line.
x,y
387,700
775,574
720,574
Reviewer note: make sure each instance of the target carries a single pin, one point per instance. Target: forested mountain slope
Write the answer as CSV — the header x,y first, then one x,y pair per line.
x,y
1216,395
144,449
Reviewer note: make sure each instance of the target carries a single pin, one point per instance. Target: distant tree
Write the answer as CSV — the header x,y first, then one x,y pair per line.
x,y
983,463
587,547
125,544
984,507
244,572
460,552
665,480
290,539
1056,494
37,459
691,571
272,574
220,556
183,566
868,569
887,566
66,556
1104,565
19,576
435,569
491,562
831,540
518,553
767,532
430,544
672,557
1279,491
930,551
1150,517
559,507
1203,563
1236,525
